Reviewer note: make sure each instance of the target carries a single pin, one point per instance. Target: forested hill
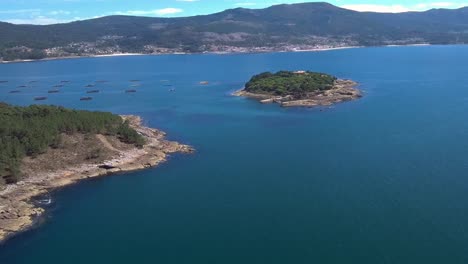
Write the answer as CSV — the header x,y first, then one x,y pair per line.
x,y
289,83
32,130
280,27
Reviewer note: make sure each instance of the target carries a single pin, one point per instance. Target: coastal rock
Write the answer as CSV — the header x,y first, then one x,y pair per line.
x,y
17,209
343,90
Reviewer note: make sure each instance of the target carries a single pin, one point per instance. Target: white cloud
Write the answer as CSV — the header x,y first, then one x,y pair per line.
x,y
402,8
19,11
59,12
39,20
377,8
156,12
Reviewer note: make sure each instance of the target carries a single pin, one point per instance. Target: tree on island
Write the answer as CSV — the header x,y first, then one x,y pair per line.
x,y
296,84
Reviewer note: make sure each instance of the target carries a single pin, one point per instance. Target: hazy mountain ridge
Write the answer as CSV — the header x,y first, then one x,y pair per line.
x,y
280,27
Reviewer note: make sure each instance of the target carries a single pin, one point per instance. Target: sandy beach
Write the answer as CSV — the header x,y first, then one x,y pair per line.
x,y
214,52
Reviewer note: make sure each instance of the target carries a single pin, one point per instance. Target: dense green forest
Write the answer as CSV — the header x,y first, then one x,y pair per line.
x,y
276,26
30,131
289,83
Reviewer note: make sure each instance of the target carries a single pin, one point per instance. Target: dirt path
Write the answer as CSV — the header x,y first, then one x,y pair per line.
x,y
18,212
106,143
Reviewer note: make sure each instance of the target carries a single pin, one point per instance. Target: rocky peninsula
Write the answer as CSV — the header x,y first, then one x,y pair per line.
x,y
80,156
299,88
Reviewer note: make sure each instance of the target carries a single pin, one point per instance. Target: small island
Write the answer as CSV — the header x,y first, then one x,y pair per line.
x,y
46,147
299,88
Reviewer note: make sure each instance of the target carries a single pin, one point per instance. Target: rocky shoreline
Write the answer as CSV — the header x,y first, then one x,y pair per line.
x,y
343,90
18,211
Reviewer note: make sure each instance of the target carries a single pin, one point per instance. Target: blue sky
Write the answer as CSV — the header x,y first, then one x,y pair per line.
x,y
58,11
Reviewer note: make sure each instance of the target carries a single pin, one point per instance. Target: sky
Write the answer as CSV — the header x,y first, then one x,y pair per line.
x,y
61,11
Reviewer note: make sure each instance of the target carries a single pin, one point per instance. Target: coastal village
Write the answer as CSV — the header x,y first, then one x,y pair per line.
x,y
98,48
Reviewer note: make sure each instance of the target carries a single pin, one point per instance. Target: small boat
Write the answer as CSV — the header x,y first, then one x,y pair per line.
x,y
86,98
22,86
131,91
92,91
135,80
204,82
53,91
135,85
65,81
101,81
89,85
32,81
40,98
15,91
172,90
58,86
167,84
3,81
44,199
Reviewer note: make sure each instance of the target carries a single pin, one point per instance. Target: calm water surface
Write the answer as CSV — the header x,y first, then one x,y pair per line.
x,y
379,180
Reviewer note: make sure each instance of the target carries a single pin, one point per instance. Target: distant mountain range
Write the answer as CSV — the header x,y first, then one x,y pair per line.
x,y
277,28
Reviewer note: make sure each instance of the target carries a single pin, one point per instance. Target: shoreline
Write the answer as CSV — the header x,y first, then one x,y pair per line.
x,y
76,57
342,91
216,53
20,212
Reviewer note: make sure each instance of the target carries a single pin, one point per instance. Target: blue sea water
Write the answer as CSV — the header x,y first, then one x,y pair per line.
x,y
379,180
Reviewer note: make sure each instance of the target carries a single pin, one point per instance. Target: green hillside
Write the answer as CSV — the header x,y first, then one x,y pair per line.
x,y
276,26
289,83
30,131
